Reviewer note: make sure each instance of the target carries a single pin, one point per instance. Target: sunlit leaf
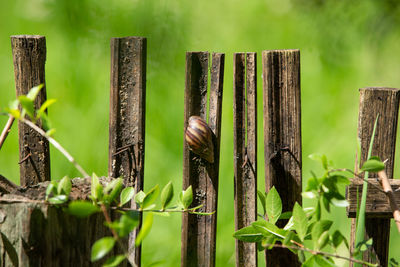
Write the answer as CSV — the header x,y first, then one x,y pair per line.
x,y
166,195
44,106
28,105
34,91
101,247
64,186
273,205
147,223
126,195
267,228
373,165
300,221
59,199
248,234
261,197
187,197
139,197
114,261
150,197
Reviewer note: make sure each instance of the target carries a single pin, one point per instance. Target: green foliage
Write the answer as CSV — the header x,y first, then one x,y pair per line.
x,y
101,247
304,224
82,209
273,205
166,195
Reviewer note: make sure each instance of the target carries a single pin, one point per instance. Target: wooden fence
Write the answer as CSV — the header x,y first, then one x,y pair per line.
x,y
282,143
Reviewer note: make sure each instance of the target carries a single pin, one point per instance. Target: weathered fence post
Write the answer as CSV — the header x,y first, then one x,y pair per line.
x,y
127,117
29,55
282,135
245,154
385,102
198,231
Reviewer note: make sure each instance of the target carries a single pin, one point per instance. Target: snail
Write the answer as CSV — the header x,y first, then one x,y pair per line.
x,y
199,138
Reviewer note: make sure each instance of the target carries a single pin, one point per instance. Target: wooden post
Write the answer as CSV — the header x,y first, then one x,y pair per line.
x,y
198,231
245,155
282,135
29,55
127,117
385,102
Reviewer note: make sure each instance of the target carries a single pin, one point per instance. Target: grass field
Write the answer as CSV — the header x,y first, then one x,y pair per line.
x,y
343,48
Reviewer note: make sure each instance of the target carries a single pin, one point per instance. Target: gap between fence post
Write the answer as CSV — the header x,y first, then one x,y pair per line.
x,y
385,102
282,136
127,119
245,154
29,56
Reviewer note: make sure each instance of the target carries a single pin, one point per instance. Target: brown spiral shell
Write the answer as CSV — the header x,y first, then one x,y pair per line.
x,y
198,136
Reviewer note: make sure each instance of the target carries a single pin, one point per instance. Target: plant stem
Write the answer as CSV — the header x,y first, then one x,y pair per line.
x,y
316,252
6,130
115,235
383,179
56,145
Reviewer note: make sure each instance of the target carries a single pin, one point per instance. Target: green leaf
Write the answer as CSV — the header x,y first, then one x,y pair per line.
x,y
373,165
150,197
148,221
95,191
318,210
309,262
324,162
139,197
46,124
337,238
34,91
342,203
116,186
51,188
267,228
273,205
126,195
288,238
261,197
309,194
286,215
300,221
101,247
323,262
59,199
27,105
127,224
312,184
248,234
322,241
51,132
114,261
269,241
14,112
166,195
82,209
44,106
64,186
187,197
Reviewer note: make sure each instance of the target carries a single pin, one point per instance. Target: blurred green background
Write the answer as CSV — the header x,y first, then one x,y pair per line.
x,y
345,45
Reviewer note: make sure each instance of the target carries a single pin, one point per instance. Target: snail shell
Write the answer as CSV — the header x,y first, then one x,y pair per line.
x,y
198,136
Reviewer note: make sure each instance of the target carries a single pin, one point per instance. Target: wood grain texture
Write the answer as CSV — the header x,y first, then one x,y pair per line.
x,y
282,135
385,102
29,56
127,116
245,153
377,202
199,232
